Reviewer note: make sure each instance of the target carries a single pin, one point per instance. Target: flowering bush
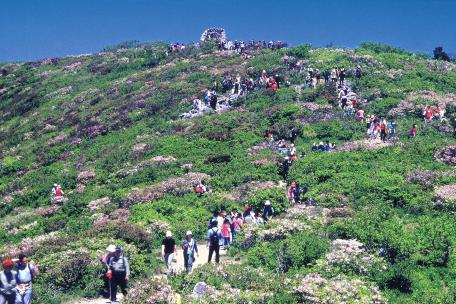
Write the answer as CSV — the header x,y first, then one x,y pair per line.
x,y
151,291
85,176
176,186
446,155
314,288
349,256
423,178
445,197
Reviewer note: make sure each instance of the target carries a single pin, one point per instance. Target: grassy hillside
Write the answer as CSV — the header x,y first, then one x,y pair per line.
x,y
107,128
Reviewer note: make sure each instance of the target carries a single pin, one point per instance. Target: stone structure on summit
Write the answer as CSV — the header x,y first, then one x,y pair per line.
x,y
214,34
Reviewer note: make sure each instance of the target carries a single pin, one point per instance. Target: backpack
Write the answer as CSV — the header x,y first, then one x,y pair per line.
x,y
198,189
112,258
58,192
214,239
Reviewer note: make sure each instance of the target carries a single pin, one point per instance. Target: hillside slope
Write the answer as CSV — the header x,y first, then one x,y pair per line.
x,y
107,127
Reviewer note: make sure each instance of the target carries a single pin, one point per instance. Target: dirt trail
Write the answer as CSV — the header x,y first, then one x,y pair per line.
x,y
178,265
203,253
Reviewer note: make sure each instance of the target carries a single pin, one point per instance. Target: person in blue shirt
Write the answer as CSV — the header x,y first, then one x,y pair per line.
x,y
392,129
189,248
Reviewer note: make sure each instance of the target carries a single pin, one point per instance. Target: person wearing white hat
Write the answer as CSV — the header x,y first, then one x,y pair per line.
x,y
268,210
168,251
189,249
104,260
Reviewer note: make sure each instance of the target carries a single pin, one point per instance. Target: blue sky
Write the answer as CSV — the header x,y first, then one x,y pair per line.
x,y
34,29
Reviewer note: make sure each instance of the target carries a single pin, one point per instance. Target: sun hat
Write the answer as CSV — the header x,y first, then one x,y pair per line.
x,y
189,233
169,234
111,248
7,263
267,203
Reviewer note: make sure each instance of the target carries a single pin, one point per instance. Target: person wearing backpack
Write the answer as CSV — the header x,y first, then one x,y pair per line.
x,y
268,210
104,260
214,237
392,129
8,283
358,74
201,188
119,272
57,194
168,251
189,249
342,76
26,272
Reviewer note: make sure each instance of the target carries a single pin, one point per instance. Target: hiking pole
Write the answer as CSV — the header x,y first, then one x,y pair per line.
x,y
110,292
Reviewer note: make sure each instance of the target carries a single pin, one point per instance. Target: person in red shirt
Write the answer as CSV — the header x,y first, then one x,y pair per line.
x,y
412,131
226,234
428,114
383,128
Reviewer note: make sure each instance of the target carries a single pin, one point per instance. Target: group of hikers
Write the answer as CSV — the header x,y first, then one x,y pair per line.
x,y
57,194
323,146
433,113
16,280
235,85
117,272
223,228
242,46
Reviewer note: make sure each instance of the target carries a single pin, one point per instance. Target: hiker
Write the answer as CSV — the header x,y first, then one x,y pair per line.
x,y
268,210
412,131
119,272
57,194
168,251
237,225
226,234
392,129
214,236
428,114
326,75
358,74
213,100
294,194
383,130
8,283
104,260
201,188
342,76
285,167
189,248
333,76
26,272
